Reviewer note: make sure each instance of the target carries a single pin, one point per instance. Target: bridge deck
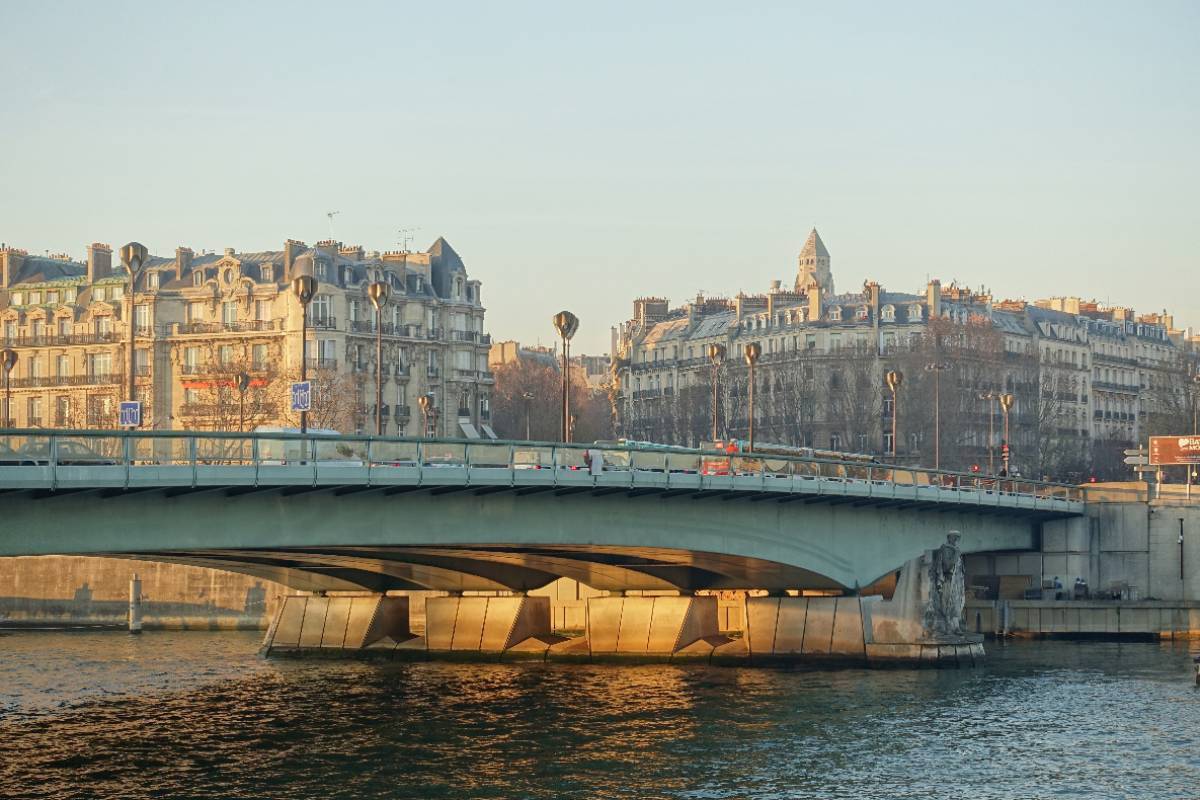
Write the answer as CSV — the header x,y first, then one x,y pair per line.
x,y
80,460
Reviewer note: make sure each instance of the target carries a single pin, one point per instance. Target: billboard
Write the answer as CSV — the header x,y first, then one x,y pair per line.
x,y
1169,450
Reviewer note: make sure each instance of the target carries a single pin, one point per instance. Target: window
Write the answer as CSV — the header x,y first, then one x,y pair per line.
x,y
39,328
116,292
268,273
62,411
862,313
35,367
262,310
18,298
352,310
99,365
258,357
914,312
888,313
318,310
835,441
141,318
62,366
52,297
141,362
197,278
103,326
225,354
810,341
98,294
35,298
191,360
195,312
229,312
835,313
152,280
322,270
34,411
835,341
64,326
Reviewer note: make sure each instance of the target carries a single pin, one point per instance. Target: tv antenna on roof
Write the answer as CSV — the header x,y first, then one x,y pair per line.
x,y
406,237
331,215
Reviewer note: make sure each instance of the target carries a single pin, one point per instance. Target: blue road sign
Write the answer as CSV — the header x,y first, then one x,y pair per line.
x,y
302,396
130,414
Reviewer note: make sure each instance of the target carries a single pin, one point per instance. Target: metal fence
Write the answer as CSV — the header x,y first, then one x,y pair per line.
x,y
365,458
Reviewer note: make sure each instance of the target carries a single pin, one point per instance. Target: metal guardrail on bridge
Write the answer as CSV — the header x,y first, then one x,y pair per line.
x,y
61,459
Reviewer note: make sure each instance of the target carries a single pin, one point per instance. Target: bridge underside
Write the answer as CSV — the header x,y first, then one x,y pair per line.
x,y
491,568
461,538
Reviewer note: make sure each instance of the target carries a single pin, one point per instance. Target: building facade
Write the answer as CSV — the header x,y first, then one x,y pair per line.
x,y
218,339
1086,381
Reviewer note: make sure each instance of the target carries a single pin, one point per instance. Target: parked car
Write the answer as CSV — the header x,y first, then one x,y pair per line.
x,y
13,458
69,454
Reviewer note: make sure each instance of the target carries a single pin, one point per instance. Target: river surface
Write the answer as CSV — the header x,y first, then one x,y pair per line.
x,y
199,715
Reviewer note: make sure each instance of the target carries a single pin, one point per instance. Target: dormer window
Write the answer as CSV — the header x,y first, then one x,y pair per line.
x,y
914,312
888,313
197,279
268,272
152,280
835,313
862,313
319,268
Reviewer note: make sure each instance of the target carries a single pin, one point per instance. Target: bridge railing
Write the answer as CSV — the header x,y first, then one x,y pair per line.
x,y
202,454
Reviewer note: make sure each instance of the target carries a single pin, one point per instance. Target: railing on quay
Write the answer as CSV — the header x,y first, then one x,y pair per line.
x,y
53,459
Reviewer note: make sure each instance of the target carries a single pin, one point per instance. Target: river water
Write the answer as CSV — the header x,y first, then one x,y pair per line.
x,y
199,715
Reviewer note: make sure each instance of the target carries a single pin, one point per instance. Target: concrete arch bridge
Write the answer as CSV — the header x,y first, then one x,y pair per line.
x,y
325,514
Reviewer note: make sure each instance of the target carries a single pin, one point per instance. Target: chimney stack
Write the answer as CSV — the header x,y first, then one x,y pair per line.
x,y
183,261
814,304
11,260
291,249
933,298
99,262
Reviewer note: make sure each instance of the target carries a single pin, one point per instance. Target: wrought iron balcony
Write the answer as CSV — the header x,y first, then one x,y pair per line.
x,y
321,362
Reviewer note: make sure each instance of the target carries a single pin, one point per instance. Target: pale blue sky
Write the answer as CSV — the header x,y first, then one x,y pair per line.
x,y
578,155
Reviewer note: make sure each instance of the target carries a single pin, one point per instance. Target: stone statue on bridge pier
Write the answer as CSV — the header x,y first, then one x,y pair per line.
x,y
944,589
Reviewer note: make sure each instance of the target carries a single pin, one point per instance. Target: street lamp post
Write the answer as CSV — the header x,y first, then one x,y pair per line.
x,y
894,378
527,396
133,256
566,324
716,355
1195,406
305,289
937,368
243,383
378,292
1006,404
752,352
8,360
989,396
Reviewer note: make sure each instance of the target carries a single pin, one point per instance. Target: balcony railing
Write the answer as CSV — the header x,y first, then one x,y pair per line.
x,y
322,363
56,339
433,333
323,323
44,381
240,326
431,372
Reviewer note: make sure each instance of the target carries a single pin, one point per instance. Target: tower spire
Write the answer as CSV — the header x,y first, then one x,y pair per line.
x,y
814,270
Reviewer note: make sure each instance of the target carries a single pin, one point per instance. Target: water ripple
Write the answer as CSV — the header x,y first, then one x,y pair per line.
x,y
198,715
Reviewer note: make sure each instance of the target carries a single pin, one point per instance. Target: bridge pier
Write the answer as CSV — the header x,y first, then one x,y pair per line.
x,y
653,627
333,625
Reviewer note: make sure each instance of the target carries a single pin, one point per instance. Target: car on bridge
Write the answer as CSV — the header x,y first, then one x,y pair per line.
x,y
67,453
